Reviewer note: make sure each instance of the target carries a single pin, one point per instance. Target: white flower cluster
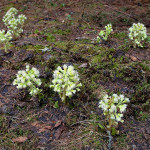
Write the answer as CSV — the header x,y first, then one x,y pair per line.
x,y
137,33
5,38
14,23
66,81
28,78
114,106
105,33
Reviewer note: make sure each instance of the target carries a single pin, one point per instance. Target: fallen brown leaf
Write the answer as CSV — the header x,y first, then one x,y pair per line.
x,y
59,132
58,123
33,35
45,128
20,139
133,58
36,123
48,127
41,127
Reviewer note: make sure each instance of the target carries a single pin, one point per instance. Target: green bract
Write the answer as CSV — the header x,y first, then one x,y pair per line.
x,y
66,81
137,33
105,33
14,23
28,78
113,108
5,39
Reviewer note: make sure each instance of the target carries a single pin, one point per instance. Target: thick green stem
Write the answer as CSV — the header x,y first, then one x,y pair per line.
x,y
110,124
5,49
109,115
6,46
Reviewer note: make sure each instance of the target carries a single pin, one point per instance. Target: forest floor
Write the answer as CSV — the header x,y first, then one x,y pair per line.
x,y
68,28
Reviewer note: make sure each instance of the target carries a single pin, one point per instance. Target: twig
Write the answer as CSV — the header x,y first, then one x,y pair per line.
x,y
84,122
121,12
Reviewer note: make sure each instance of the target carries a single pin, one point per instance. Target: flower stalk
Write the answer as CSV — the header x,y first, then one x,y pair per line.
x,y
113,108
65,82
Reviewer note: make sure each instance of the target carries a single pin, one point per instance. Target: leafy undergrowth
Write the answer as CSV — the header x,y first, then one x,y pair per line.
x,y
112,67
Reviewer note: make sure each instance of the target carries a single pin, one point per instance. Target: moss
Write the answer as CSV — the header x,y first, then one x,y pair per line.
x,y
96,59
83,27
71,119
38,48
77,48
21,132
142,65
146,105
50,37
2,120
143,116
61,44
122,141
23,8
7,134
101,65
141,93
96,77
88,137
31,118
60,31
8,6
120,35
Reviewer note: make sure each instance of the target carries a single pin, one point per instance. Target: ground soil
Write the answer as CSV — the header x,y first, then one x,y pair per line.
x,y
69,29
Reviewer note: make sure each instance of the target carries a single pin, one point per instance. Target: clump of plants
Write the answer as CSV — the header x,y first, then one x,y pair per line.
x,y
28,78
14,25
113,108
13,22
66,82
104,34
137,34
5,39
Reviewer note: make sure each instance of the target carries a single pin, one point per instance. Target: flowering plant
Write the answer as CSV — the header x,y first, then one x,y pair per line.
x,y
14,23
137,33
28,78
113,108
5,39
103,34
65,82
